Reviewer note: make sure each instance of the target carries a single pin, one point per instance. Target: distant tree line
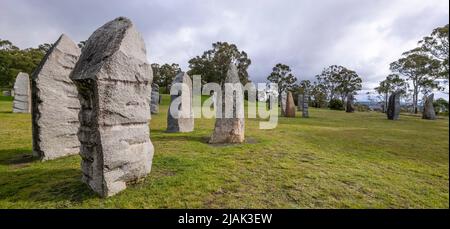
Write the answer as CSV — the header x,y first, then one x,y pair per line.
x,y
14,60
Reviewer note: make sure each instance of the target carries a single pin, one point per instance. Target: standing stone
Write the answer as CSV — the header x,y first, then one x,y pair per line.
x,y
155,101
290,106
114,80
350,103
393,110
283,103
22,94
55,102
305,105
183,119
230,130
428,108
300,102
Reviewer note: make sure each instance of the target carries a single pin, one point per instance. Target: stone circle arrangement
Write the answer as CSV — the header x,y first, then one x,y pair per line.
x,y
96,102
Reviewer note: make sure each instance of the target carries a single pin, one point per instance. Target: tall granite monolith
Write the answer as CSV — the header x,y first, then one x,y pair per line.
x,y
283,101
55,103
428,108
305,105
180,117
350,108
114,81
155,99
290,106
22,94
393,109
230,126
300,102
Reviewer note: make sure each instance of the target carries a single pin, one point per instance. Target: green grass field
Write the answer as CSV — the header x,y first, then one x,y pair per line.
x,y
331,160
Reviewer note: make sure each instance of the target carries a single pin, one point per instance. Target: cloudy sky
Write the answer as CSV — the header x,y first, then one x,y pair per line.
x,y
308,35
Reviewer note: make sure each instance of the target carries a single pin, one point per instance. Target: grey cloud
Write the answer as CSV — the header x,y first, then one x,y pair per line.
x,y
308,35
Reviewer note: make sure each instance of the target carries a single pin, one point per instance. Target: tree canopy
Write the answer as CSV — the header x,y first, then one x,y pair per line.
x,y
14,60
213,64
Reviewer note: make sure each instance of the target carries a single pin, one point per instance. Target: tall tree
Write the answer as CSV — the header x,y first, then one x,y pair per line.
x,y
14,60
283,77
213,64
319,95
391,84
339,81
418,68
437,46
163,75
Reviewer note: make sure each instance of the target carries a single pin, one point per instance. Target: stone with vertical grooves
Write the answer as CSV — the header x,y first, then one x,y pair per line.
x,y
22,94
114,80
183,121
305,106
55,103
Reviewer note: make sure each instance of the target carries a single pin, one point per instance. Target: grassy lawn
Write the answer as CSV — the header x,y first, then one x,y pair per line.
x,y
331,160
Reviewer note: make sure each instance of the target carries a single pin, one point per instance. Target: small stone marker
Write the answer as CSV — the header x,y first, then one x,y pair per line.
x,y
393,110
305,105
230,130
114,80
350,103
428,108
183,119
290,106
55,102
22,94
155,99
6,93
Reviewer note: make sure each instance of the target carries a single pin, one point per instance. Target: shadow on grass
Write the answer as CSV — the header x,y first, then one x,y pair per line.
x,y
16,157
44,185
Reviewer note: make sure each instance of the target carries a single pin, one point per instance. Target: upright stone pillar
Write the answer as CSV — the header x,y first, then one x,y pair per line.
x,y
114,80
22,94
229,126
393,110
155,100
300,102
305,105
180,118
290,106
350,108
428,108
55,102
283,103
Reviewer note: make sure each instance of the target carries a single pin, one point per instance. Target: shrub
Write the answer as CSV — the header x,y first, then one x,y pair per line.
x,y
336,104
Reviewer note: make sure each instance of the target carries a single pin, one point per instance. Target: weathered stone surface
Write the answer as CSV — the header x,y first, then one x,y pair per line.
x,y
55,103
283,103
114,80
290,106
181,119
350,108
305,105
155,99
230,130
300,102
22,94
428,108
393,110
